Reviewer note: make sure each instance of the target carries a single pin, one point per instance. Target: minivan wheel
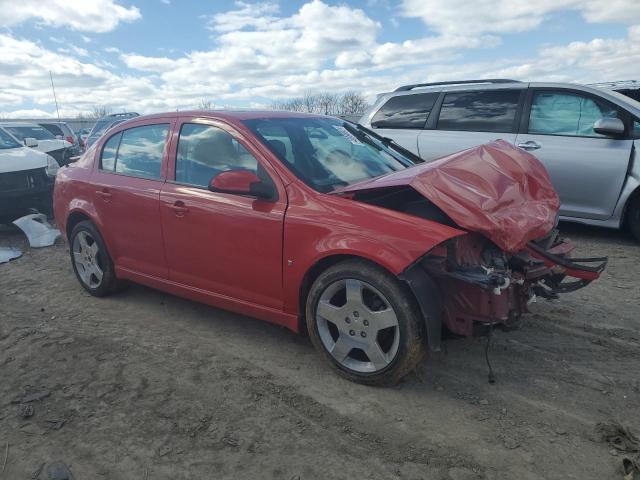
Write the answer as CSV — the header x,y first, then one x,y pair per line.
x,y
365,322
633,217
91,261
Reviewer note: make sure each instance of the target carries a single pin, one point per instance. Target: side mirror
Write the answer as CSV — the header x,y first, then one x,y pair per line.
x,y
242,182
612,127
30,142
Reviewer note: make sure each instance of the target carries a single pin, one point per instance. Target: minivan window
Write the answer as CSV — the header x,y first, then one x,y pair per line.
x,y
563,113
479,111
205,150
405,111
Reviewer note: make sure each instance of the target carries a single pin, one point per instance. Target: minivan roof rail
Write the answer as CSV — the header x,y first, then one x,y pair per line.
x,y
618,84
405,88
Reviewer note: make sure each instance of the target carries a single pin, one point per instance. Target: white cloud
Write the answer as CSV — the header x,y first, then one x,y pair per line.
x,y
501,16
90,16
261,54
72,49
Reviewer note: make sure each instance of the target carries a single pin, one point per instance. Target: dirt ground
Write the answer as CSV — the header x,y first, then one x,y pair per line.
x,y
146,385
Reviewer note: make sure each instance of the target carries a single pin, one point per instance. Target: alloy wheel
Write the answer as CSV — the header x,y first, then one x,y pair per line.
x,y
357,325
87,260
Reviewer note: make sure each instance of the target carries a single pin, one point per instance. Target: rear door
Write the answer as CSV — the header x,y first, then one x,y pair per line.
x,y
403,117
587,169
127,183
469,118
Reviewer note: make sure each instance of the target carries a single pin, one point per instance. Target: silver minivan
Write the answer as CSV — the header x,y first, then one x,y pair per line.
x,y
584,136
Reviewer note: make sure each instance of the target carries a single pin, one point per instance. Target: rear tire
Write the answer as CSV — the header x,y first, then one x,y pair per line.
x,y
366,323
633,217
91,261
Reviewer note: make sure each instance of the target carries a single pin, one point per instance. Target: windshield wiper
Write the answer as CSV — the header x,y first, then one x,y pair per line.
x,y
386,141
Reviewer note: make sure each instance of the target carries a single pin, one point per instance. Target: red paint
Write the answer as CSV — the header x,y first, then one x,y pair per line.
x,y
243,253
495,189
238,181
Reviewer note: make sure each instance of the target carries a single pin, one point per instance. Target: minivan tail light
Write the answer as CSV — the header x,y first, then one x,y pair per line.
x,y
70,139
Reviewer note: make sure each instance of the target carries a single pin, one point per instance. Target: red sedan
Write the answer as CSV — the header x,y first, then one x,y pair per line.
x,y
315,223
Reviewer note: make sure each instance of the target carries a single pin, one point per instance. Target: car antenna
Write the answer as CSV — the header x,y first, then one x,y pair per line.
x,y
492,377
54,95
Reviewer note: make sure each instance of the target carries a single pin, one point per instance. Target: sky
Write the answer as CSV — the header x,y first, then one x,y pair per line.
x,y
161,55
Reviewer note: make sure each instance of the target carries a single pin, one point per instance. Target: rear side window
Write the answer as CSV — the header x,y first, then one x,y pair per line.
x,y
109,152
481,111
204,151
136,152
54,129
564,113
405,111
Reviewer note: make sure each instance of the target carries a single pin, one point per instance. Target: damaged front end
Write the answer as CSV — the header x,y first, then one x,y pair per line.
x,y
503,198
481,286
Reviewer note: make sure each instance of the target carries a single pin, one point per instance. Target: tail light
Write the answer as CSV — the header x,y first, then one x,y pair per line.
x,y
70,139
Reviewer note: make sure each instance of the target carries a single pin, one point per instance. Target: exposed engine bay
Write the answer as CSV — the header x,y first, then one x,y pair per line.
x,y
481,285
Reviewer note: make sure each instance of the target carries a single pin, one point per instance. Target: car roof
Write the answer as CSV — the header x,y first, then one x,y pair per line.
x,y
230,115
19,124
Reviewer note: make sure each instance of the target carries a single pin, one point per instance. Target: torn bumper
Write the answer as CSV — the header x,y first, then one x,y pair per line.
x,y
480,285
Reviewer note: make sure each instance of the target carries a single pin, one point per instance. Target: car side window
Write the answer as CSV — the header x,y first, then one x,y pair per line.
x,y
405,111
205,150
109,152
571,114
140,151
479,111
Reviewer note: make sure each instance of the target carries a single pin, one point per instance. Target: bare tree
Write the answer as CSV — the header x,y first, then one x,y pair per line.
x,y
325,103
352,103
99,111
205,104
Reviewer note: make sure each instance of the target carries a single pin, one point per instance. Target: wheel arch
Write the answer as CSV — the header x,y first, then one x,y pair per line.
x,y
326,262
634,196
75,218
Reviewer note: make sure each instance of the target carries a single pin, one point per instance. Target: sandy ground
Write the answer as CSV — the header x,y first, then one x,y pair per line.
x,y
146,385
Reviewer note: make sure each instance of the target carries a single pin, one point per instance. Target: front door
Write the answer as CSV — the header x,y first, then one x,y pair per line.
x,y
126,189
587,169
227,244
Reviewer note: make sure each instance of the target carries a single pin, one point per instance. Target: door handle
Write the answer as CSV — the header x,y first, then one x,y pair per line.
x,y
179,208
530,145
104,194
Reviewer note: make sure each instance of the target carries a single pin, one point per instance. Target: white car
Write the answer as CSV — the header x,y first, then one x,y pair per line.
x,y
26,179
37,137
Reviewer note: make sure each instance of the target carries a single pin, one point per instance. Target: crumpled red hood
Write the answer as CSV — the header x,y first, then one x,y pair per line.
x,y
496,189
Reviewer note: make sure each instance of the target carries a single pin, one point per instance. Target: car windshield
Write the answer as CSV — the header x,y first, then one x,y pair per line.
x,y
7,141
28,131
327,153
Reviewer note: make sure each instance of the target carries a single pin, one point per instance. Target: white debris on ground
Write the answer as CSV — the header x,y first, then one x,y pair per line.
x,y
39,232
9,253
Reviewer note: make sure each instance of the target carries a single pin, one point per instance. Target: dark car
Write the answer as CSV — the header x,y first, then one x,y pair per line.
x,y
105,123
318,224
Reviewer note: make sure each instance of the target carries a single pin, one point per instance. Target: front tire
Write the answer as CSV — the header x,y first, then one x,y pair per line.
x,y
366,323
91,261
